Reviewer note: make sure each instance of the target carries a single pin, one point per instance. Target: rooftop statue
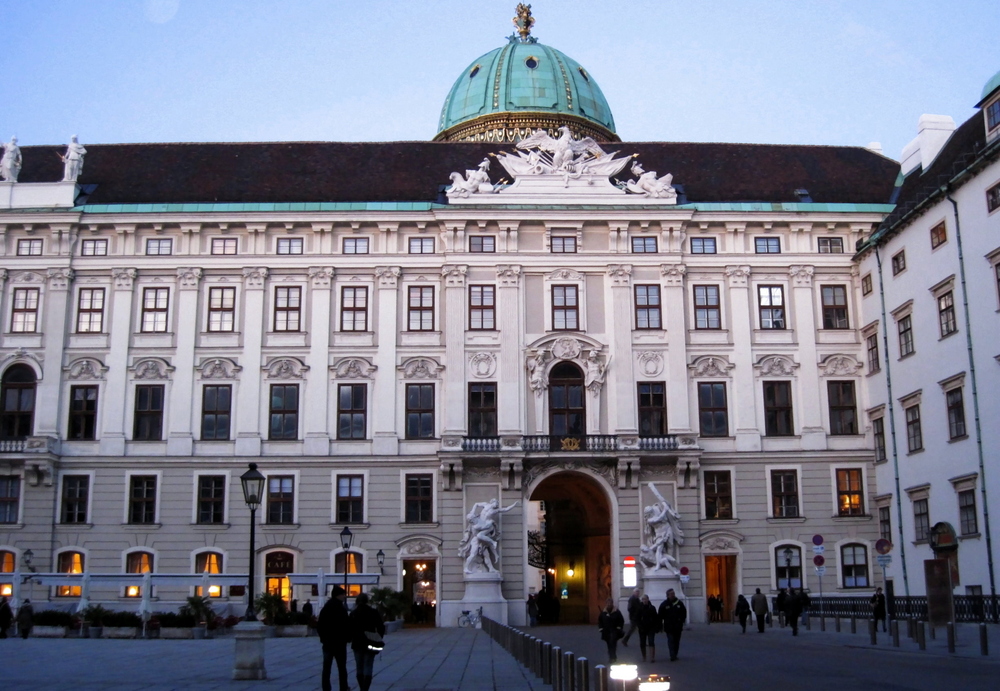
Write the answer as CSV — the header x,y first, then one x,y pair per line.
x,y
523,21
649,185
474,182
565,156
663,534
73,160
480,545
10,164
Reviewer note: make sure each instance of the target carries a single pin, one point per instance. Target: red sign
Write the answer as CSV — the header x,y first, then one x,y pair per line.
x,y
817,539
819,560
685,571
630,561
883,546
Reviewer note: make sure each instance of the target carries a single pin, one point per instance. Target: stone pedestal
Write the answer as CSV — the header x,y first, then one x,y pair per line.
x,y
657,583
481,590
248,662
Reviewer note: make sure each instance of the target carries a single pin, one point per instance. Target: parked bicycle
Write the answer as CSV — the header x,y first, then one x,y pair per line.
x,y
469,618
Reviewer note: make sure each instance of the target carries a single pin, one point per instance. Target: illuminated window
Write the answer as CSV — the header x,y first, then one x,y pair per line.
x,y
7,561
137,562
69,562
850,492
208,562
276,567
354,564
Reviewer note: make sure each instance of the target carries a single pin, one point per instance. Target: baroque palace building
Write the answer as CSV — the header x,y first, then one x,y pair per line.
x,y
556,329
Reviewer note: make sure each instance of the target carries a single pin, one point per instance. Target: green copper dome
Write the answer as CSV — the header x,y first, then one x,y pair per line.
x,y
520,87
992,85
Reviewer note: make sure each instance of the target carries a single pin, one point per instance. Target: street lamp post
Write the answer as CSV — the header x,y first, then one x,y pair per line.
x,y
26,556
253,490
380,557
346,538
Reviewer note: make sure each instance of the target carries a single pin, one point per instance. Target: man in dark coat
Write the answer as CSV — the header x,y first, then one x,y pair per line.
x,y
25,619
758,603
610,623
364,620
779,602
649,626
634,604
334,629
878,607
673,614
6,617
793,607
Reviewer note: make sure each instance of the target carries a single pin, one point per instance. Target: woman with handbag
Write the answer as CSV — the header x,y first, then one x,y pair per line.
x,y
611,624
368,629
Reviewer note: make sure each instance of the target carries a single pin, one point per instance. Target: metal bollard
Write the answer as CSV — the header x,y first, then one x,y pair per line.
x,y
984,641
582,675
556,662
933,630
601,677
873,632
921,636
569,674
546,658
836,624
854,624
911,631
894,628
822,623
951,636
808,622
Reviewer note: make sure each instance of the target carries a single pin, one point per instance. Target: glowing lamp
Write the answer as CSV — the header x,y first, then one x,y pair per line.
x,y
624,672
654,682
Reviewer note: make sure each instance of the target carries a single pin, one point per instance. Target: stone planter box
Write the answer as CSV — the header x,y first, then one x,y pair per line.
x,y
270,631
176,633
121,632
394,625
49,631
292,631
92,631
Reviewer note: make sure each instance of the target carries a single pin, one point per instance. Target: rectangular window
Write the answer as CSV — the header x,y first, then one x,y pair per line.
x,y
956,414
216,408
993,198
280,499
289,245
914,435
137,562
702,245
75,491
707,311
159,246
718,495
866,284
843,407
647,307
284,412
208,562
905,326
421,308
419,411
29,248
148,418
287,308
483,410
142,499
767,245
644,245
24,313
871,346
993,116
352,411
419,499
785,493
921,520
831,245
355,245
878,431
939,235
967,518
898,262
652,408
713,414
82,412
788,566
482,308
854,566
778,409
155,302
94,248
565,308
70,562
421,245
885,523
850,493
211,499
482,243
563,244
834,307
10,497
221,309
771,306
90,310
354,309
350,498
946,314
224,245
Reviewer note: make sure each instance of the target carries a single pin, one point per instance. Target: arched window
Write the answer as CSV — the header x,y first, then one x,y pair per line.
x,y
854,566
69,562
355,564
208,562
276,567
7,561
137,562
788,566
17,402
567,405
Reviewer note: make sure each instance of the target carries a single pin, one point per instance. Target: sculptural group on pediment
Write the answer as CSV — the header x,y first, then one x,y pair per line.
x,y
474,182
10,163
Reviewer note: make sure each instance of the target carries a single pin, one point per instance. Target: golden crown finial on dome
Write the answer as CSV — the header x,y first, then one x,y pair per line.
x,y
523,21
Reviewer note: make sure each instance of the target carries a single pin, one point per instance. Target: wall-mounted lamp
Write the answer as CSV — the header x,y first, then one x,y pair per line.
x,y
380,557
571,570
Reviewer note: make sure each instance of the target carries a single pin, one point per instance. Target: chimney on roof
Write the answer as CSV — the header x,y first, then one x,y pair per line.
x,y
932,133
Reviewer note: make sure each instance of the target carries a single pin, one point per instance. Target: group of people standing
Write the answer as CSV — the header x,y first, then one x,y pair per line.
x,y
337,627
645,618
790,604
24,618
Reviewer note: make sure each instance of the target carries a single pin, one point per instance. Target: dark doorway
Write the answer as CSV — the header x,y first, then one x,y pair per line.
x,y
720,582
567,403
420,584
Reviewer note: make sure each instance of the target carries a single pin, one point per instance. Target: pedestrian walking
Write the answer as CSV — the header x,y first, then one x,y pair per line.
x,y
649,626
334,629
25,618
6,617
758,603
710,603
634,603
779,603
793,607
307,610
532,610
878,608
673,614
610,623
742,611
368,629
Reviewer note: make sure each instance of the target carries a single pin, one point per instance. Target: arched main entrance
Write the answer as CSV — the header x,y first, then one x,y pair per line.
x,y
575,524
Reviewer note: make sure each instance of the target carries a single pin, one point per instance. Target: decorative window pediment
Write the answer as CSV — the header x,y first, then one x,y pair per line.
x,y
354,368
420,368
839,366
286,368
711,366
85,369
219,368
151,368
776,366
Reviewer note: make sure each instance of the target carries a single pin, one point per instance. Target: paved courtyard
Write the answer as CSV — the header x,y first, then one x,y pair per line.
x,y
712,657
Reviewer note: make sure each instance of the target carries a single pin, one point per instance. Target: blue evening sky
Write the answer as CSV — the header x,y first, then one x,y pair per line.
x,y
842,72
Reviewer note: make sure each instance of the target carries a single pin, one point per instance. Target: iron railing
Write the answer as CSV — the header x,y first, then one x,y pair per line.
x,y
968,608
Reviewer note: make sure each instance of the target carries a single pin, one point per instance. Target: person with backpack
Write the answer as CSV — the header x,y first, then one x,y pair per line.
x,y
368,630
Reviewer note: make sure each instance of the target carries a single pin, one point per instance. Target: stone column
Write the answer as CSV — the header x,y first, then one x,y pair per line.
x,y
183,405
809,412
385,436
620,386
248,437
111,407
317,398
674,320
511,402
47,392
744,395
453,324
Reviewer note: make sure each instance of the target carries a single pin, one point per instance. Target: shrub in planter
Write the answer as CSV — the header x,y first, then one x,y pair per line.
x,y
232,620
200,608
122,620
270,606
53,617
94,615
391,604
175,620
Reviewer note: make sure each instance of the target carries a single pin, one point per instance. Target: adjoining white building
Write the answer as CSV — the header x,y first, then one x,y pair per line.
x,y
391,355
930,277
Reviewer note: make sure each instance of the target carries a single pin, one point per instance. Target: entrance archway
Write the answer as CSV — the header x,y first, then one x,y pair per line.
x,y
576,530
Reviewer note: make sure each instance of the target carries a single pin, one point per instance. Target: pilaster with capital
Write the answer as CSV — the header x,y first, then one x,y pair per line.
x,y
744,394
385,440
47,391
675,322
248,438
113,394
453,326
620,383
316,414
805,323
180,438
510,373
